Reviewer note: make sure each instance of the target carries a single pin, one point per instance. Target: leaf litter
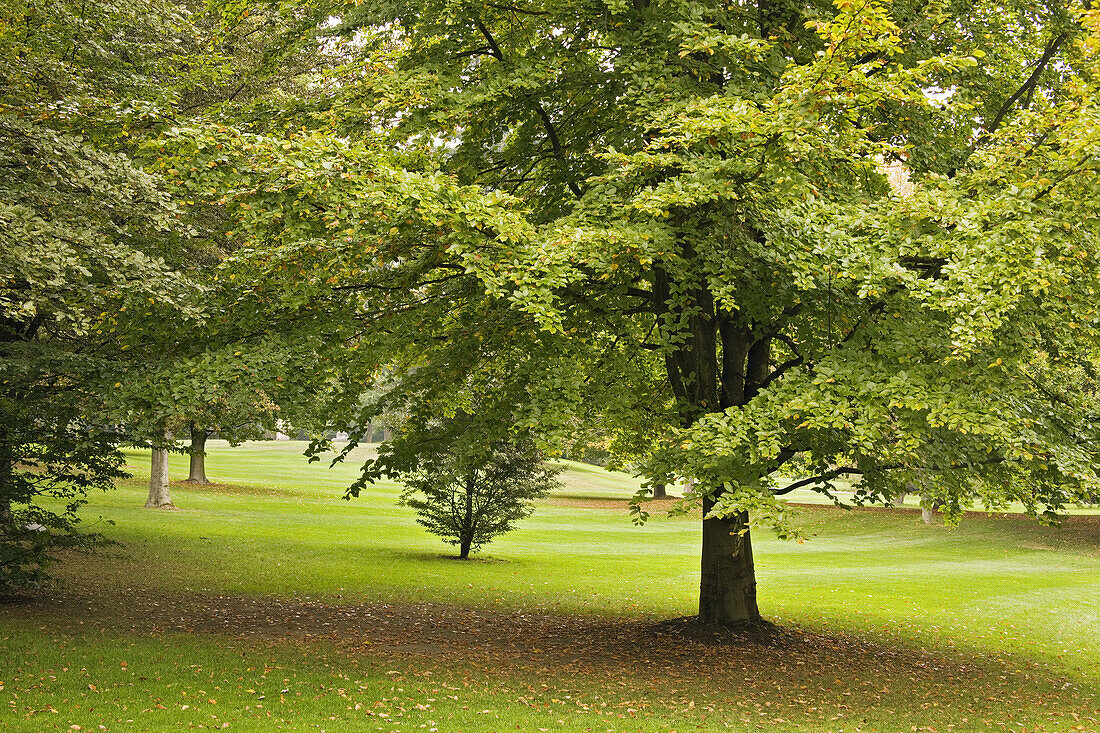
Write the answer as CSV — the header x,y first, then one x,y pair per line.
x,y
773,677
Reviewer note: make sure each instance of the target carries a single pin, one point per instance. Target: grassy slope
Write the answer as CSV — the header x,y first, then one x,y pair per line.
x,y
995,588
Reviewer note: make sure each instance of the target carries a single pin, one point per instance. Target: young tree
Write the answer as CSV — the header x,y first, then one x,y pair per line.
x,y
469,497
677,215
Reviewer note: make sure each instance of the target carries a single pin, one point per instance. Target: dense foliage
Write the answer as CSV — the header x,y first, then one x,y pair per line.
x,y
113,326
83,232
676,219
677,216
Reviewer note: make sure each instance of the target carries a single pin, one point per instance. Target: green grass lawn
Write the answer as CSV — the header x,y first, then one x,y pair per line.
x,y
991,626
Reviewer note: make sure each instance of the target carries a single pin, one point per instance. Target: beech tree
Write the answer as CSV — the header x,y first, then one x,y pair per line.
x,y
677,216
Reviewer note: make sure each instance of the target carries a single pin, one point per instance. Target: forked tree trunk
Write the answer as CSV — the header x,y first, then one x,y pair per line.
x,y
899,500
197,472
158,482
707,378
727,586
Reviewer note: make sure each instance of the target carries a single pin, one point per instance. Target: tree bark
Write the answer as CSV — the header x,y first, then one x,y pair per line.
x,y
705,380
197,470
727,586
467,538
7,471
659,491
159,497
928,513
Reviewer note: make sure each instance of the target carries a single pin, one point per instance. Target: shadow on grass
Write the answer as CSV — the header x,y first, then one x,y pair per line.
x,y
807,676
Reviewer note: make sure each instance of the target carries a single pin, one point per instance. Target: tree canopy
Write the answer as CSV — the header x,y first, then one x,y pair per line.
x,y
108,302
677,217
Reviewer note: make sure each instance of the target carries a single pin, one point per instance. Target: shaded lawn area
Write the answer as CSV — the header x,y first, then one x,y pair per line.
x,y
292,609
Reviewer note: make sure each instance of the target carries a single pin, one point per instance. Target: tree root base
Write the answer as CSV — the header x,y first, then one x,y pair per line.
x,y
739,633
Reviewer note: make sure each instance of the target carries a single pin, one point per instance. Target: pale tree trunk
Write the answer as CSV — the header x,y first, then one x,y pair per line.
x,y
159,497
727,586
197,470
928,513
928,504
387,433
689,487
899,500
370,431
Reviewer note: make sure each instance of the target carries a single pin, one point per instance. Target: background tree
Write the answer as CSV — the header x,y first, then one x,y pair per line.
x,y
83,234
97,260
224,372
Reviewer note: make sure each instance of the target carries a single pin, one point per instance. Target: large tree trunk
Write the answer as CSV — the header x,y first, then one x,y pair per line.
x,y
158,482
197,472
727,586
659,491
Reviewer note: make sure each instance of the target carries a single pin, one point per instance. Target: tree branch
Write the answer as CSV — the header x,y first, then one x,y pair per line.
x,y
1026,89
547,123
827,476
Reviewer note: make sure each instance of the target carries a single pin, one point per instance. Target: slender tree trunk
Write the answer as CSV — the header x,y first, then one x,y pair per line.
x,y
197,472
928,504
370,431
7,474
727,587
899,500
467,538
158,482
